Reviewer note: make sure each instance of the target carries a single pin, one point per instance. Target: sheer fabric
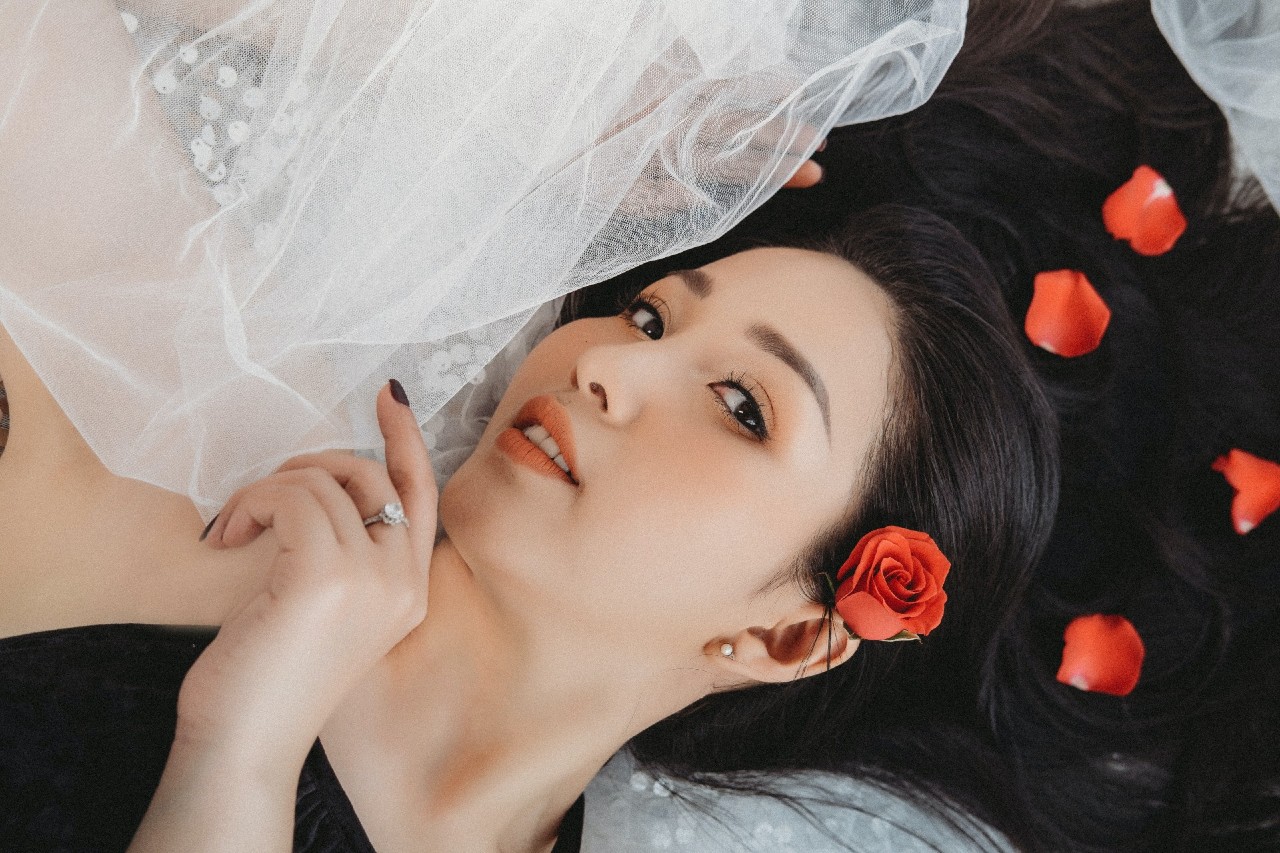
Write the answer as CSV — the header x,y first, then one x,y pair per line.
x,y
1231,48
227,222
630,811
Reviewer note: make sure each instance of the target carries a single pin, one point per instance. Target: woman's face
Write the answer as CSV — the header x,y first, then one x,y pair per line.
x,y
711,431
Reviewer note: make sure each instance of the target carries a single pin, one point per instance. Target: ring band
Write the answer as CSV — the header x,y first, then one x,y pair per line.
x,y
391,514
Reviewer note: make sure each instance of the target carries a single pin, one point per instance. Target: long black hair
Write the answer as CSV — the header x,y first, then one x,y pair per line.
x,y
1001,175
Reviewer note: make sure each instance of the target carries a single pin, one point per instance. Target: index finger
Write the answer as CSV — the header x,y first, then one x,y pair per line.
x,y
408,463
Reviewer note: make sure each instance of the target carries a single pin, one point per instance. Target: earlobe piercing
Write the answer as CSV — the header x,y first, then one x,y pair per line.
x,y
727,650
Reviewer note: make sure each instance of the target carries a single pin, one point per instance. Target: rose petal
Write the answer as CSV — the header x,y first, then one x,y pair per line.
x,y
1102,654
1257,484
1067,316
929,618
883,548
867,617
1144,211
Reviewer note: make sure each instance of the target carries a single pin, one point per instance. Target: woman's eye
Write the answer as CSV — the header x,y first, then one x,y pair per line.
x,y
742,407
644,315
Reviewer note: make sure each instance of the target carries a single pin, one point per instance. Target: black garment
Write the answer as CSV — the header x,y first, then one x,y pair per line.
x,y
87,717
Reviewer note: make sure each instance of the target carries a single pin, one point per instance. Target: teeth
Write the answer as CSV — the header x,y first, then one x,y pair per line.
x,y
539,436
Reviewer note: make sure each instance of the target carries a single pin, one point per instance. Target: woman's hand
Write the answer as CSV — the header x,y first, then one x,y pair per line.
x,y
337,598
808,175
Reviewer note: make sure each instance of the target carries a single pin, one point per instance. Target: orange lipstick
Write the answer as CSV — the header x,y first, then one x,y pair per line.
x,y
547,412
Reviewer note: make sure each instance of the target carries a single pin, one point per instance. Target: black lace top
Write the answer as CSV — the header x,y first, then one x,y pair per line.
x,y
87,717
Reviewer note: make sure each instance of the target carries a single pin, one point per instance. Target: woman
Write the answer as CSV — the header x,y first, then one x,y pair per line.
x,y
569,611
154,582
970,715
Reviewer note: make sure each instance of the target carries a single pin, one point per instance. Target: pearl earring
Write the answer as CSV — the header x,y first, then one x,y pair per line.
x,y
727,650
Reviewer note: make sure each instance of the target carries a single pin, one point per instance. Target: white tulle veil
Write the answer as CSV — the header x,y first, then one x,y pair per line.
x,y
224,223
1231,48
229,221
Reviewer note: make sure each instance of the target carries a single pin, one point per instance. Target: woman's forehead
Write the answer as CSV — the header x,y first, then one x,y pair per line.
x,y
816,288
816,300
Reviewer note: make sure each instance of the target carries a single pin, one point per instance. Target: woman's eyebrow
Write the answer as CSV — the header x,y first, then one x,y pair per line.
x,y
771,341
698,282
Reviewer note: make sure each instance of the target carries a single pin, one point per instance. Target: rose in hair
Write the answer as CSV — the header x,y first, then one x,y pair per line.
x,y
890,588
1144,211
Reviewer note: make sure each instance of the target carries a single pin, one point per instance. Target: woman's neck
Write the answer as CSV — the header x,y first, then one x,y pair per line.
x,y
486,733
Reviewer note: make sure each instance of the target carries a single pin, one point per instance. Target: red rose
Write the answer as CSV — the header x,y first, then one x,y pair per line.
x,y
1067,317
1145,212
891,583
1102,654
1257,484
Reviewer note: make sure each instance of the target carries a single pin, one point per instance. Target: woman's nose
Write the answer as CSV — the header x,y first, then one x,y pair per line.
x,y
617,378
598,390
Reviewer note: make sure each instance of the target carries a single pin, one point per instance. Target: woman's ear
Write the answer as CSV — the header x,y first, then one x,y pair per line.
x,y
809,640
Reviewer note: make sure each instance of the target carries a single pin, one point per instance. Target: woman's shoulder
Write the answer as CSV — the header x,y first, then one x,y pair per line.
x,y
630,810
82,545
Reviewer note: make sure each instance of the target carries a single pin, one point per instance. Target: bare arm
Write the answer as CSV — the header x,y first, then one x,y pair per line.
x,y
340,595
217,798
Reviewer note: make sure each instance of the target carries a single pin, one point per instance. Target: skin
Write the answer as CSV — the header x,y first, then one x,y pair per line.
x,y
493,672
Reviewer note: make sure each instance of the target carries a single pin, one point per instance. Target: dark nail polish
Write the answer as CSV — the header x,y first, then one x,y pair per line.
x,y
397,391
208,527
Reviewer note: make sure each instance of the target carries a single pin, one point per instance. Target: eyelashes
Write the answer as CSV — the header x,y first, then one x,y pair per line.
x,y
740,403
738,396
652,313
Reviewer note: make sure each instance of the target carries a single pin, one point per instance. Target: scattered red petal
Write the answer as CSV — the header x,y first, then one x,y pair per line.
x,y
1101,654
1145,212
1067,316
1257,484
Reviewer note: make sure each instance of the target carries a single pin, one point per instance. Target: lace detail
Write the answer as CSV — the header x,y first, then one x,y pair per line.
x,y
208,85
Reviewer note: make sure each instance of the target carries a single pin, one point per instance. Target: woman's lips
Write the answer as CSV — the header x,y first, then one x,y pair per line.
x,y
547,412
522,451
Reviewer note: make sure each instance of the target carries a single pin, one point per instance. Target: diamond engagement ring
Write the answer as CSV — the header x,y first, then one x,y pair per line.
x,y
391,514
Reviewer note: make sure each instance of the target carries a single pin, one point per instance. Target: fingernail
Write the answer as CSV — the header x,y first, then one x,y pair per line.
x,y
397,391
208,527
822,146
